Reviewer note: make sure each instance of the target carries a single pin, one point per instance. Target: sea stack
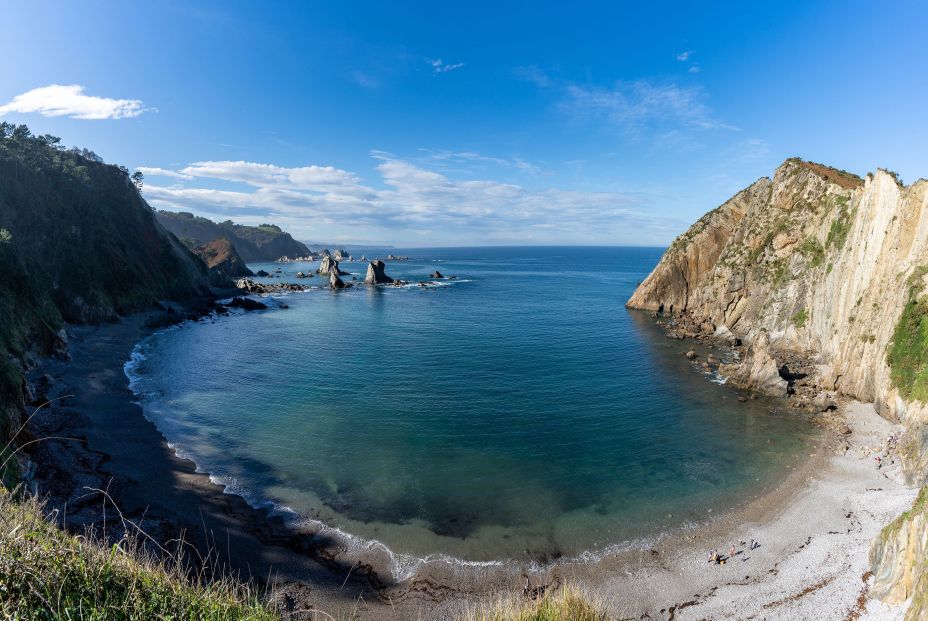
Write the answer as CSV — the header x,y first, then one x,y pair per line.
x,y
328,265
335,282
376,275
436,274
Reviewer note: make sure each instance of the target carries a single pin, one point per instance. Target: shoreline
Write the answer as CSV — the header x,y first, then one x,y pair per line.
x,y
123,452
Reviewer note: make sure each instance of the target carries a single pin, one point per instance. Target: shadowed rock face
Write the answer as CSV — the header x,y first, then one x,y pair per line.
x,y
328,265
376,275
220,256
335,282
812,270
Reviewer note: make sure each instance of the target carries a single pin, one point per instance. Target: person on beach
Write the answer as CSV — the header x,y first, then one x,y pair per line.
x,y
731,552
713,557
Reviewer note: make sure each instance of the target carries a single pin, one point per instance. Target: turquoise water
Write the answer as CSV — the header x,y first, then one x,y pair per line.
x,y
519,411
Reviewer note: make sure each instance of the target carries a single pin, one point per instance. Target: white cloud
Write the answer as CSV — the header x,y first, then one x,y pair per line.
x,y
694,69
684,56
532,73
60,100
161,172
411,201
438,66
637,105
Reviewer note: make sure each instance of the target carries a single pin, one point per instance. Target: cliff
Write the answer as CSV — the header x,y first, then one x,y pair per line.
x,y
253,243
221,258
77,244
821,269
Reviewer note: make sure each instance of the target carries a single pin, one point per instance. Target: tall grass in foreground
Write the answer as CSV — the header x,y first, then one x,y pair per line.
x,y
568,604
47,574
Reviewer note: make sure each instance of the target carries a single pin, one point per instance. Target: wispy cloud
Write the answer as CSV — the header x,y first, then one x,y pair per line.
x,y
439,66
534,74
694,69
684,56
70,101
409,201
470,159
638,105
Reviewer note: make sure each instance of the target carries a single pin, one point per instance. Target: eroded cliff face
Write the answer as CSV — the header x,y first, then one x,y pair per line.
x,y
817,264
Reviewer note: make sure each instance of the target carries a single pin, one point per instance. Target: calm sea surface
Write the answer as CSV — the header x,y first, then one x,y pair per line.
x,y
519,411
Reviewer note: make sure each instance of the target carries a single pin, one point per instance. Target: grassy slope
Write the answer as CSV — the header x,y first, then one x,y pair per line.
x,y
48,574
81,246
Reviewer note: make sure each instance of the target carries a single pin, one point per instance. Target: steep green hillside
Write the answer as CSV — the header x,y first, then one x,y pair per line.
x,y
253,243
79,244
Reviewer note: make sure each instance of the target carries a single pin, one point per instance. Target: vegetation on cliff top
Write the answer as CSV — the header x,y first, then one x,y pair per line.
x,y
79,244
266,242
47,574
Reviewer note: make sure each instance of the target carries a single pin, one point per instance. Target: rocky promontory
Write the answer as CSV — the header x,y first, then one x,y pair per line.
x,y
820,275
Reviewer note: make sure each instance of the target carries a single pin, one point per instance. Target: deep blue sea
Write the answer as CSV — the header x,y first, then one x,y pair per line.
x,y
517,412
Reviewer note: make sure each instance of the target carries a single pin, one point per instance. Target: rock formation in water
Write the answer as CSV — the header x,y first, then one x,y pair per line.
x,y
822,276
436,274
376,274
328,265
335,282
247,304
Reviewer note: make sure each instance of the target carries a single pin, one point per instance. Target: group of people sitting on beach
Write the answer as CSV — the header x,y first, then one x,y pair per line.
x,y
721,559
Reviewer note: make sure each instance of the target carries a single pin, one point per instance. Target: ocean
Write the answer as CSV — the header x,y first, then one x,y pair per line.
x,y
518,411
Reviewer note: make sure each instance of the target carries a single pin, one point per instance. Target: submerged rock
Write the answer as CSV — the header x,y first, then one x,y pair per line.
x,y
376,274
262,274
246,304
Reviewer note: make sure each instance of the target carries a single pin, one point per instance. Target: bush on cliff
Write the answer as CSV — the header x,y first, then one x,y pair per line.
x,y
908,351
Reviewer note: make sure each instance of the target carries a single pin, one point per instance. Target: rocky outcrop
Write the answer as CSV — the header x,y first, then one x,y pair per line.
x,y
760,372
821,275
328,265
222,259
249,286
336,283
436,274
376,274
246,304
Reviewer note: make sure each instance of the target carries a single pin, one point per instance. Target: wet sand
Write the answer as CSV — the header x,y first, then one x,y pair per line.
x,y
814,528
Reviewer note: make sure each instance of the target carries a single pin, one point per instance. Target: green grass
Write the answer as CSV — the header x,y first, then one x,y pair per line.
x,y
813,250
568,604
47,574
908,351
799,319
841,225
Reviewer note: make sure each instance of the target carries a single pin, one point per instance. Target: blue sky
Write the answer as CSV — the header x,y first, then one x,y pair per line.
x,y
470,123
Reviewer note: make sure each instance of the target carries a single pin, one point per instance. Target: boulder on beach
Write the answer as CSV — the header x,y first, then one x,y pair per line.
x,y
376,274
